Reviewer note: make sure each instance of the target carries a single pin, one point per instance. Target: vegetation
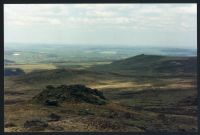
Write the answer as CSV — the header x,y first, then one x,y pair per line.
x,y
152,64
139,94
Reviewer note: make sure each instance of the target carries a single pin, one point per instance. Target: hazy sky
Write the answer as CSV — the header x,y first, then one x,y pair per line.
x,y
173,25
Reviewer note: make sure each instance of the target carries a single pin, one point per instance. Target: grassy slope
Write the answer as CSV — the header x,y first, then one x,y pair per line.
x,y
147,97
151,64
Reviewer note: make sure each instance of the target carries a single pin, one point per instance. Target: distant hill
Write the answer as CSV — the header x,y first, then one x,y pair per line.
x,y
8,62
151,64
141,65
13,72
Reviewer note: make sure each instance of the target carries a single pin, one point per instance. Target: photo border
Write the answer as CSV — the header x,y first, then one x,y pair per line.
x,y
91,2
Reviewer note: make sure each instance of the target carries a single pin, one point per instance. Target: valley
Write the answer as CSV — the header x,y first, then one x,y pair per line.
x,y
143,93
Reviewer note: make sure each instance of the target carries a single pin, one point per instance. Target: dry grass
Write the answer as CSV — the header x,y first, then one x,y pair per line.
x,y
113,84
18,112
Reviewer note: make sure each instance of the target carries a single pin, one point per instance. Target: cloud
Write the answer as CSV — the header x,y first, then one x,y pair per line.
x,y
32,14
141,15
191,9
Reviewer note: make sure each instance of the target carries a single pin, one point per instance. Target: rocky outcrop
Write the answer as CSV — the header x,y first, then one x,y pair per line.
x,y
53,96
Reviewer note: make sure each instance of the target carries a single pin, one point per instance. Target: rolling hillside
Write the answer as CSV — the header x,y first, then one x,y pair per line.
x,y
144,64
140,94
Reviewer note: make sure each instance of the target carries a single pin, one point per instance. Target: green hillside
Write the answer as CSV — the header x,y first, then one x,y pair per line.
x,y
144,64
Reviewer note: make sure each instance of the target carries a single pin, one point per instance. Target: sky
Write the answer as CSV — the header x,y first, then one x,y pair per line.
x,y
172,25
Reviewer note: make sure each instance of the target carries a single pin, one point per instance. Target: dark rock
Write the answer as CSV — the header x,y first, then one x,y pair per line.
x,y
85,112
70,93
49,87
113,115
54,117
181,130
107,124
51,102
161,116
9,125
35,124
189,101
128,115
56,128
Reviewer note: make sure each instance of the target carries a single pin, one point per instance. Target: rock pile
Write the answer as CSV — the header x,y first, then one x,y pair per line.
x,y
53,96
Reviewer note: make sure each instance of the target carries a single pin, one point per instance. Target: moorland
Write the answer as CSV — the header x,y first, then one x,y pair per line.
x,y
59,88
